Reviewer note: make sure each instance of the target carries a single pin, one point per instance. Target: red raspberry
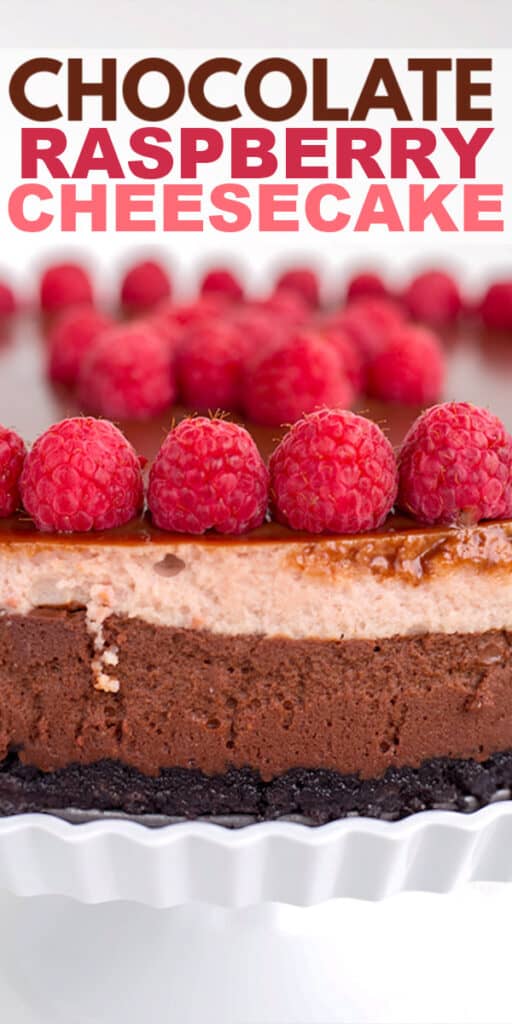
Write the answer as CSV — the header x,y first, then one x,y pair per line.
x,y
284,305
410,368
366,285
352,362
369,321
65,284
144,285
209,364
258,326
496,306
188,313
296,375
8,304
128,373
334,471
208,475
70,339
81,474
222,283
162,320
12,457
434,298
455,464
303,282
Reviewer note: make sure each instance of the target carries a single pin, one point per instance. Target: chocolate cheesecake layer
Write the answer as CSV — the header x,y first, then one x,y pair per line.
x,y
197,700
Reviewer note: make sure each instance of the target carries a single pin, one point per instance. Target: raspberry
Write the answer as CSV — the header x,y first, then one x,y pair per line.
x,y
369,321
81,474
302,282
65,284
12,456
8,304
296,375
496,306
259,328
434,298
163,321
188,313
366,285
208,475
70,339
284,305
455,465
144,285
410,368
334,471
209,364
222,283
128,373
351,360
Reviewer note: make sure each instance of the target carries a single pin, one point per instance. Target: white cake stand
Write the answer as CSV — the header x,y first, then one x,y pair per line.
x,y
401,961
202,925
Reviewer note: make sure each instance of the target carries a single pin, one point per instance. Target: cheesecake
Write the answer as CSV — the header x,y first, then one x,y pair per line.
x,y
274,674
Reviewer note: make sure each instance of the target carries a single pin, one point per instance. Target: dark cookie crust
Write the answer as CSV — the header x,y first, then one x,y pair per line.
x,y
314,795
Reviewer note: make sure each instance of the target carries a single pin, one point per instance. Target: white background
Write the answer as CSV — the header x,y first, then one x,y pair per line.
x,y
416,959
279,23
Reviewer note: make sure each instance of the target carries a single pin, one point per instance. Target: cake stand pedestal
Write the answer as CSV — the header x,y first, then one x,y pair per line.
x,y
119,963
402,961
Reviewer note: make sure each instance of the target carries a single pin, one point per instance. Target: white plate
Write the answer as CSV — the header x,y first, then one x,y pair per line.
x,y
108,860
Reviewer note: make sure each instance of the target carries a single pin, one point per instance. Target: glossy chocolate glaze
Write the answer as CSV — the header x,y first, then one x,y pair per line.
x,y
479,370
